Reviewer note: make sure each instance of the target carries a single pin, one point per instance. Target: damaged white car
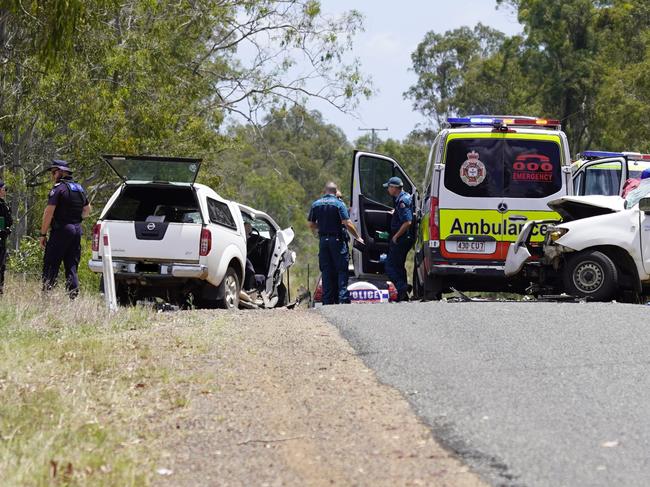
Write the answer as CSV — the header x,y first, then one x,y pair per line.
x,y
599,251
173,239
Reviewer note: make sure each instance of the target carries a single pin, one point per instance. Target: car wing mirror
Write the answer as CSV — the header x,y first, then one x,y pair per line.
x,y
644,205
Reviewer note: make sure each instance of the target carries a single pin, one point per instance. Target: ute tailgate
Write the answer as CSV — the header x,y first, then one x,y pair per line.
x,y
154,241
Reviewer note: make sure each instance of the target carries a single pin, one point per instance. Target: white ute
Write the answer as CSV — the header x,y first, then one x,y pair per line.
x,y
170,237
599,251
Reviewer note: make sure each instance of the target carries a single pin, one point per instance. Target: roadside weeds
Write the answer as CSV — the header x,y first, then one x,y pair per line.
x,y
82,390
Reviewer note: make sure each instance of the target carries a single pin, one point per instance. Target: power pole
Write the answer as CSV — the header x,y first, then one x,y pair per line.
x,y
373,139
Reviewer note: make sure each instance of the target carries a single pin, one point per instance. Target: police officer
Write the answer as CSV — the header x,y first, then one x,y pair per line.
x,y
329,216
346,239
67,206
5,229
401,240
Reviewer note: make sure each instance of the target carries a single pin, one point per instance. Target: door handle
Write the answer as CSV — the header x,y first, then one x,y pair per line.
x,y
518,218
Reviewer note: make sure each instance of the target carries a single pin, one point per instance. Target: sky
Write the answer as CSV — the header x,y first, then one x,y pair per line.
x,y
393,30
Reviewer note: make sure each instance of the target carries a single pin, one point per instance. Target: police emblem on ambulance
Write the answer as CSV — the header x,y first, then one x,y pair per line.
x,y
472,171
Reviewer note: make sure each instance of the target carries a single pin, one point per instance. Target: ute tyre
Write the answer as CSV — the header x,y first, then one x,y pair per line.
x,y
433,287
231,288
592,275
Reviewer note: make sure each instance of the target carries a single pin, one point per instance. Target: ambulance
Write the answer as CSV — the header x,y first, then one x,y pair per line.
x,y
486,176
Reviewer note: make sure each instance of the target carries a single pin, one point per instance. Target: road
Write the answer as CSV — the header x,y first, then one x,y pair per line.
x,y
537,394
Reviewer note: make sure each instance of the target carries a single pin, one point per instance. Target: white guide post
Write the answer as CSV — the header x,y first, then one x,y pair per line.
x,y
108,273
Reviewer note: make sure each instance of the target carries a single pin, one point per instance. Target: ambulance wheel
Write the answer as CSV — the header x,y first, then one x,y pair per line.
x,y
433,287
591,274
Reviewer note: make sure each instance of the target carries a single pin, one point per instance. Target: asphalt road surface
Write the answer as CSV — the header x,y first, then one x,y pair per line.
x,y
537,394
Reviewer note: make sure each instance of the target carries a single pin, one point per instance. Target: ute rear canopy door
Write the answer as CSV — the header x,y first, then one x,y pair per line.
x,y
372,206
154,168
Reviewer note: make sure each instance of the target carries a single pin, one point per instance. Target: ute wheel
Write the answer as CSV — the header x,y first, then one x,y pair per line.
x,y
433,287
592,275
231,288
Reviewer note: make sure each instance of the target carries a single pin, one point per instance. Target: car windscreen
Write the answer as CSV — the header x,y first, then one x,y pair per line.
x,y
155,203
506,168
155,169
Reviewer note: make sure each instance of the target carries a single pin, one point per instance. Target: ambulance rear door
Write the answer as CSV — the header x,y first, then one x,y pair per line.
x,y
371,208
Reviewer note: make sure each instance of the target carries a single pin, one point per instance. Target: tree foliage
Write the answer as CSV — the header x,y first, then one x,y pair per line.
x,y
441,63
79,79
577,60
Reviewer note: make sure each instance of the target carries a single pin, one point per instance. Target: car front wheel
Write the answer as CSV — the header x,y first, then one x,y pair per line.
x,y
591,274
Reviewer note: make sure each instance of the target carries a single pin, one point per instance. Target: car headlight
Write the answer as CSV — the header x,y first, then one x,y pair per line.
x,y
555,234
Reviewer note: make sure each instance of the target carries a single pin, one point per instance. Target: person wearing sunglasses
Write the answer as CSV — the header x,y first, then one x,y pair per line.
x,y
67,206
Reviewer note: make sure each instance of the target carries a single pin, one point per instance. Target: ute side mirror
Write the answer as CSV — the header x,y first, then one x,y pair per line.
x,y
644,205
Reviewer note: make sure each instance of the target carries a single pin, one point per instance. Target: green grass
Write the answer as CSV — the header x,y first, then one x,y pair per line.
x,y
85,394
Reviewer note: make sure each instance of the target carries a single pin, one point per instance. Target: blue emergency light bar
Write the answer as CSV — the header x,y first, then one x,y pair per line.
x,y
502,120
600,154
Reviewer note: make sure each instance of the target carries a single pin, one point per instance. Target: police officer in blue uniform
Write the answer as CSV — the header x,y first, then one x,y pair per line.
x,y
329,216
67,206
346,239
5,231
401,239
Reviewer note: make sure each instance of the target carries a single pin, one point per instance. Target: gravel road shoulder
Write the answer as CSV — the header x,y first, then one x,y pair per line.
x,y
294,405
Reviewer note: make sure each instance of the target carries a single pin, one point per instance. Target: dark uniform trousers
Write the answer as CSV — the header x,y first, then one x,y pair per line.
x,y
334,281
64,246
396,261
3,262
333,262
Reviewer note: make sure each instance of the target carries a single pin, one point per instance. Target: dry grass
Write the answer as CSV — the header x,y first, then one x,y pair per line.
x,y
87,397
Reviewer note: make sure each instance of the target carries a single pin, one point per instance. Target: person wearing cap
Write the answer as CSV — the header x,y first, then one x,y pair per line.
x,y
5,230
67,206
329,216
401,240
